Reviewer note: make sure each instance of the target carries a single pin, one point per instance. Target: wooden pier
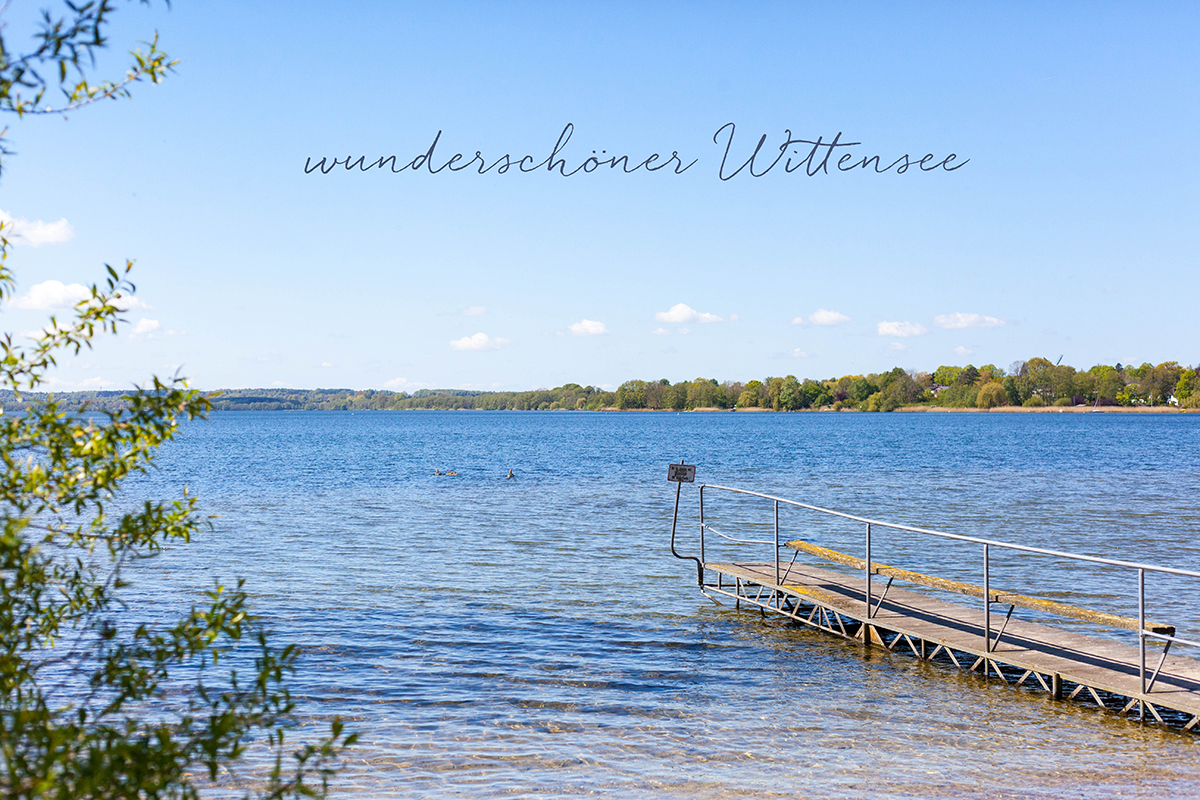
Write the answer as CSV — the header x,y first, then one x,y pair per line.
x,y
1146,681
1065,664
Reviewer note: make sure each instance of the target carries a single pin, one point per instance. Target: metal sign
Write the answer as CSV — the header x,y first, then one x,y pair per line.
x,y
681,473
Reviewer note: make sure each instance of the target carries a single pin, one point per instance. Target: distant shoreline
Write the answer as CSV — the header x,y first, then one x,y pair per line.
x,y
996,410
931,409
572,398
1057,409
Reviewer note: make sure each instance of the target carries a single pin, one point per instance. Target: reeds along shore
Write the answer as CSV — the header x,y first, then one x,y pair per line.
x,y
1034,385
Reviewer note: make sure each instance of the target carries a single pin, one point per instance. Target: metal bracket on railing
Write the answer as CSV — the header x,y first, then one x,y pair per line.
x,y
879,604
1007,617
1161,660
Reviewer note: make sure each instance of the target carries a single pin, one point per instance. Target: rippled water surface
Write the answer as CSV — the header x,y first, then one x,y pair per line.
x,y
534,636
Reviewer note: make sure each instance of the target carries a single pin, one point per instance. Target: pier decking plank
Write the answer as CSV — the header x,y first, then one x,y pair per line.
x,y
1091,661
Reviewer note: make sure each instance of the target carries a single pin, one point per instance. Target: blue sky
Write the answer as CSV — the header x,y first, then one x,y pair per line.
x,y
1071,231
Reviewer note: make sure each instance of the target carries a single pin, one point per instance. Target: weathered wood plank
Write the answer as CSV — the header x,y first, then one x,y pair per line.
x,y
1008,598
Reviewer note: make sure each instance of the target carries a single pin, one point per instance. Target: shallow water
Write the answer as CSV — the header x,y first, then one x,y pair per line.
x,y
493,637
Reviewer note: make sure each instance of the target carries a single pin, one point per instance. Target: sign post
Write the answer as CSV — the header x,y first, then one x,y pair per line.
x,y
680,474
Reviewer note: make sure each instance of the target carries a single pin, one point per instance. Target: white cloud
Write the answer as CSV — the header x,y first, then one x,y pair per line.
x,y
902,329
588,327
961,351
480,341
55,295
961,320
685,330
326,364
661,332
734,317
35,233
52,295
54,384
681,312
145,327
822,316
396,383
798,353
897,346
128,302
474,311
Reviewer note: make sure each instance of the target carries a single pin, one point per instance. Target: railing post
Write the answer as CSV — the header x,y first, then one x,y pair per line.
x,y
987,604
703,560
776,542
868,571
1142,641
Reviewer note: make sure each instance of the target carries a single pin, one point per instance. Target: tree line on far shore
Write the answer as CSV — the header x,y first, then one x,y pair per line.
x,y
1036,382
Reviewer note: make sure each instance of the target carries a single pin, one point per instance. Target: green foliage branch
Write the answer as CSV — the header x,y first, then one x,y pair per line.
x,y
93,703
66,46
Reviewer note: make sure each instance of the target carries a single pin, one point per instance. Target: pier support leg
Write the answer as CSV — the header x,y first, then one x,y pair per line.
x,y
1056,686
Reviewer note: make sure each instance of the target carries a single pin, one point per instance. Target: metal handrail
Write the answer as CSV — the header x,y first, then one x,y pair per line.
x,y
732,539
1141,568
960,537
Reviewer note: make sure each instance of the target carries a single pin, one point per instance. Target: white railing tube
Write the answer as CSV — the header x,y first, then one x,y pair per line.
x,y
868,560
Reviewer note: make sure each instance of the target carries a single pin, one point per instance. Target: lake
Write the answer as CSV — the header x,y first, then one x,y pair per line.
x,y
491,637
